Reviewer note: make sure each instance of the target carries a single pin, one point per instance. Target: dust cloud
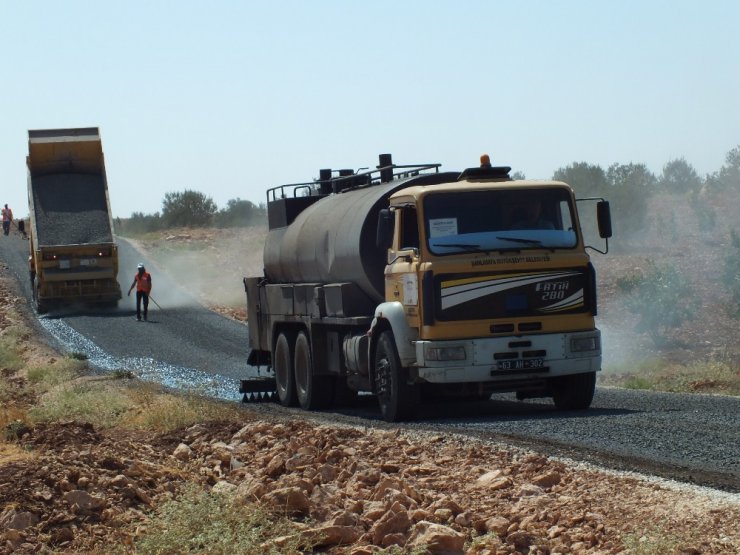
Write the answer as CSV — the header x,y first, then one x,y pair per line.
x,y
687,237
203,266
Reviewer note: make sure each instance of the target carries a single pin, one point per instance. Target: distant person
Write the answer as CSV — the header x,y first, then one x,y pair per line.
x,y
22,228
7,219
143,283
529,216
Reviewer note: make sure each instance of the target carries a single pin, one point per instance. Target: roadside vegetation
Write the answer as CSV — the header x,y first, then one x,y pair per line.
x,y
718,376
661,296
198,521
193,209
49,389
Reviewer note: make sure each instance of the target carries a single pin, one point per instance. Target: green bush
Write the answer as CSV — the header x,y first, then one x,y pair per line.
x,y
10,357
662,297
139,223
15,430
188,209
239,213
706,216
731,275
203,522
679,177
86,401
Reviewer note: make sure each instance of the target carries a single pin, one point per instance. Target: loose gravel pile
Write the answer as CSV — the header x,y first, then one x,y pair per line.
x,y
71,209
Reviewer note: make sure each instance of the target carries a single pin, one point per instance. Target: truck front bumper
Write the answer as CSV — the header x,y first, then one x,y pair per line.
x,y
508,358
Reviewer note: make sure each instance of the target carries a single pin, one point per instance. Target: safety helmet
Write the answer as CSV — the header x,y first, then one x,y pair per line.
x,y
140,266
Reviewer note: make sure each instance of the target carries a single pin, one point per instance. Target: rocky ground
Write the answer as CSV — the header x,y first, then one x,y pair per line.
x,y
74,487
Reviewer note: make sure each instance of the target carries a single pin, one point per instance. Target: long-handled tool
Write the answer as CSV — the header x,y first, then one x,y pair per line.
x,y
155,302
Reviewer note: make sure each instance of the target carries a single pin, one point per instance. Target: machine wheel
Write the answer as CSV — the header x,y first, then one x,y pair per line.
x,y
314,392
574,392
283,366
398,399
41,306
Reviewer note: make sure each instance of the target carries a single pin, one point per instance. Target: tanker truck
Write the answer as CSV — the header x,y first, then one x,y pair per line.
x,y
73,257
412,284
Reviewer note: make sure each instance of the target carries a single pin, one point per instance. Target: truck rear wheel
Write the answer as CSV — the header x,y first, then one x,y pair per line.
x,y
314,392
398,399
574,392
283,366
41,306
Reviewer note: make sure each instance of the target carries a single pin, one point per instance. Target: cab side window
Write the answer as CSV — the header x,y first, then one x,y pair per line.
x,y
409,228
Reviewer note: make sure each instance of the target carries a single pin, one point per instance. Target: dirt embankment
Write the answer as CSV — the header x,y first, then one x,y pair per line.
x,y
74,486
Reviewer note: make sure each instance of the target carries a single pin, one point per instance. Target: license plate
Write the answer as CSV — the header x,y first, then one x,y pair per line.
x,y
526,364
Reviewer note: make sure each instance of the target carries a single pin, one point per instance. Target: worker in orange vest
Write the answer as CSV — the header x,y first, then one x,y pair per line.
x,y
143,283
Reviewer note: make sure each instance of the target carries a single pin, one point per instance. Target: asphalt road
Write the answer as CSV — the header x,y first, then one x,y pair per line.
x,y
692,438
182,344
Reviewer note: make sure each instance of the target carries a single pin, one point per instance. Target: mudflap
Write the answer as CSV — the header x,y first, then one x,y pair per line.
x,y
258,389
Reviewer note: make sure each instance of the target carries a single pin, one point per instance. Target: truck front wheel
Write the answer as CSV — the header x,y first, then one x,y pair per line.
x,y
398,398
313,392
574,392
283,366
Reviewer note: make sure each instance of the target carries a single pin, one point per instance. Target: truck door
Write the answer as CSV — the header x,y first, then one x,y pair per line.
x,y
402,272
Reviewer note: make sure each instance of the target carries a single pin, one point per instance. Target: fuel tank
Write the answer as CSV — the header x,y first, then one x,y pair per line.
x,y
333,240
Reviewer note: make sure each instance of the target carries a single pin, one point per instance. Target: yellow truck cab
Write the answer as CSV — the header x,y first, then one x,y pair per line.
x,y
474,284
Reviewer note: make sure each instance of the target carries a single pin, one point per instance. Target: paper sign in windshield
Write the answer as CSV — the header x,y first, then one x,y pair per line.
x,y
442,227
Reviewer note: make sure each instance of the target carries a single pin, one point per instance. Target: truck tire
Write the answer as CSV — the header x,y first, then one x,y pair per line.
x,y
41,306
283,366
574,392
313,392
398,399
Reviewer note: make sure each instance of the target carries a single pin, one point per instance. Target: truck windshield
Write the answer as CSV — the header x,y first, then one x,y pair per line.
x,y
475,221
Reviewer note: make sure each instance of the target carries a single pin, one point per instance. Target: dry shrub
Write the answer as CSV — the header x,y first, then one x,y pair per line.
x,y
162,412
202,522
96,401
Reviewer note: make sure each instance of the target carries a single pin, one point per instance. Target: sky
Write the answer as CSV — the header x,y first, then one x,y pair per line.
x,y
230,98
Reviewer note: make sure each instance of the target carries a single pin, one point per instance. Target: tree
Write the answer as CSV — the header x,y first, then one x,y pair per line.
x,y
517,175
238,213
731,275
188,208
729,175
679,177
141,223
586,179
630,186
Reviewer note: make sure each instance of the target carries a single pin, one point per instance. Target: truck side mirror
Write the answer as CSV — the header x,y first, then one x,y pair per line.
x,y
604,218
384,235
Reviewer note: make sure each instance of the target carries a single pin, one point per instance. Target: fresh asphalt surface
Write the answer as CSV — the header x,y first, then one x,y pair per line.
x,y
692,438
181,335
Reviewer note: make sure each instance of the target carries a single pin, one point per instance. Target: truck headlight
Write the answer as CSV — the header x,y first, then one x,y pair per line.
x,y
580,344
445,353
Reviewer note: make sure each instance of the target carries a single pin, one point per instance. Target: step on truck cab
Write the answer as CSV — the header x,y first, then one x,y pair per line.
x,y
73,256
414,284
